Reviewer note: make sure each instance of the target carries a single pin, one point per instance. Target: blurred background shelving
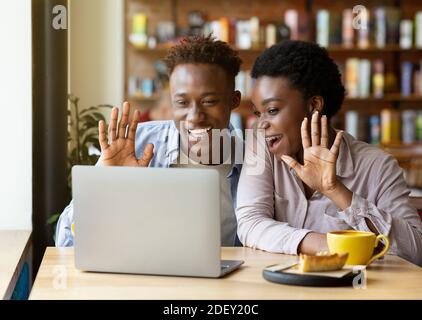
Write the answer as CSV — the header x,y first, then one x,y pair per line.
x,y
381,66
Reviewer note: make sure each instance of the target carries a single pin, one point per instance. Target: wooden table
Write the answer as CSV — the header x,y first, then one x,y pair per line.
x,y
14,246
391,278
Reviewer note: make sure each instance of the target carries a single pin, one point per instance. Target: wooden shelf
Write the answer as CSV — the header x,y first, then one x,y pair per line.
x,y
401,145
393,97
386,98
158,50
402,151
140,98
388,48
332,49
139,59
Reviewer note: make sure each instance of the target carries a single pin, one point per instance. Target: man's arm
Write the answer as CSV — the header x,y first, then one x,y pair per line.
x,y
64,236
118,149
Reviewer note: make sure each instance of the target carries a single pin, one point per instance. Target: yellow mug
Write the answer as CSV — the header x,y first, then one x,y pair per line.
x,y
359,245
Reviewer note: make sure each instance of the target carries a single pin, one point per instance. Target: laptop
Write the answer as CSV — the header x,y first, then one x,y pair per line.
x,y
148,221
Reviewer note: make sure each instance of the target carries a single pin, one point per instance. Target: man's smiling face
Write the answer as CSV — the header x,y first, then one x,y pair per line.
x,y
203,97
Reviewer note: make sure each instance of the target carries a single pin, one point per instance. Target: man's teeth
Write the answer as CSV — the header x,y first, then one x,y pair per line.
x,y
199,131
273,138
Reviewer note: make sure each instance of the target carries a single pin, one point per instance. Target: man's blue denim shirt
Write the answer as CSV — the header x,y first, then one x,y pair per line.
x,y
165,138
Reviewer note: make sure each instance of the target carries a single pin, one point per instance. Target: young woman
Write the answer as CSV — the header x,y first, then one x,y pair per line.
x,y
316,179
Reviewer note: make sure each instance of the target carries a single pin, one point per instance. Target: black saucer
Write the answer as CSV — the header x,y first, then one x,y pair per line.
x,y
308,279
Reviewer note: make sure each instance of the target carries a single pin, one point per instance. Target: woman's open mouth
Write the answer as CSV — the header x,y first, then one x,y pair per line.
x,y
273,141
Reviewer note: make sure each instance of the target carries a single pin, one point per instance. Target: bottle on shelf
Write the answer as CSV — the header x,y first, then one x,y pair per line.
x,y
378,78
380,36
347,29
139,36
390,126
406,78
418,29
406,34
374,129
322,28
408,126
283,31
291,18
270,35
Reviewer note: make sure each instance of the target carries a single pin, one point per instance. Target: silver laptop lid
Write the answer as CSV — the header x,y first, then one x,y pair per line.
x,y
147,220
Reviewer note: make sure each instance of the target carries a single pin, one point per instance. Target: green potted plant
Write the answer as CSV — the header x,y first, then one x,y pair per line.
x,y
82,136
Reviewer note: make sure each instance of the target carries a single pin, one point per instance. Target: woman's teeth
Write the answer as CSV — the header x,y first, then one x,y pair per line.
x,y
271,140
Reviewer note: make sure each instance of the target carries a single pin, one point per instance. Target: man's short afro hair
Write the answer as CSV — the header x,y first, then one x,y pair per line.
x,y
204,49
308,68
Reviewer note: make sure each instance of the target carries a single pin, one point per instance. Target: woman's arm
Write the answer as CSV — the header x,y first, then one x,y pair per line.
x,y
390,213
340,195
257,227
313,243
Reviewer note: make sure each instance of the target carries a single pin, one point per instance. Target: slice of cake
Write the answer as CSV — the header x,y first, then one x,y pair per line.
x,y
326,262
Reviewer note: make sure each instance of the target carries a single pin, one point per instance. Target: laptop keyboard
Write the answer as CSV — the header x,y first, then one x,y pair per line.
x,y
227,264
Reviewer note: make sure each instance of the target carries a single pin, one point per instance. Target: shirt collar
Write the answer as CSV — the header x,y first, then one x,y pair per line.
x,y
235,171
173,147
237,167
173,143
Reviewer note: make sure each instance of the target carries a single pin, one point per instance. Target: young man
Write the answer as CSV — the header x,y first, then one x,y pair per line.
x,y
202,87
